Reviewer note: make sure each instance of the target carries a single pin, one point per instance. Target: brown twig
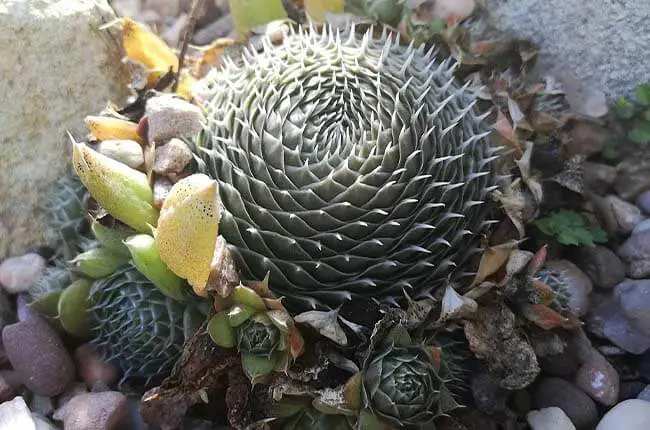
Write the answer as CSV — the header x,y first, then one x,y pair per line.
x,y
187,33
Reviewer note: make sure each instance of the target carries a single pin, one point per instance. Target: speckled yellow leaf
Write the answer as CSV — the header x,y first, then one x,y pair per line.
x,y
317,9
145,47
124,192
187,229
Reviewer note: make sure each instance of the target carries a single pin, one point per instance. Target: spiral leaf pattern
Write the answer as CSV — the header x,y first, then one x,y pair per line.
x,y
348,165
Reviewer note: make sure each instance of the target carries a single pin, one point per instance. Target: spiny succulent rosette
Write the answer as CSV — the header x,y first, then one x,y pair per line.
x,y
348,166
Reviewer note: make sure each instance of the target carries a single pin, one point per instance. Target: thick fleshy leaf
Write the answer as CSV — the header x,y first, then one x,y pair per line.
x,y
111,238
47,304
108,128
239,313
318,9
491,261
289,405
74,308
281,319
257,367
98,262
368,421
296,343
456,306
220,330
146,258
352,391
543,316
124,192
187,229
248,297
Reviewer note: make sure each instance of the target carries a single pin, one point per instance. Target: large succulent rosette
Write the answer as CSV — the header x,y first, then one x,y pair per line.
x,y
348,166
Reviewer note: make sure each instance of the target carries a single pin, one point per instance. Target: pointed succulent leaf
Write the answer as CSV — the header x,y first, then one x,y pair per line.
x,y
108,128
281,319
111,238
220,331
296,343
73,308
352,391
240,313
124,192
368,421
316,10
187,229
249,297
47,304
98,262
147,259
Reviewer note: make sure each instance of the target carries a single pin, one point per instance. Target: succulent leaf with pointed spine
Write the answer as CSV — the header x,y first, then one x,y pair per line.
x,y
348,166
136,325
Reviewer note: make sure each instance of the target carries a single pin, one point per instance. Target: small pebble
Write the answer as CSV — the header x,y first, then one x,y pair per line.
x,y
577,284
635,252
631,414
643,202
574,402
644,394
77,388
457,9
642,226
36,352
163,7
92,369
222,27
161,189
23,310
94,411
15,415
632,177
601,264
599,379
552,418
634,300
618,216
488,394
41,405
172,157
128,152
607,320
18,273
598,177
170,117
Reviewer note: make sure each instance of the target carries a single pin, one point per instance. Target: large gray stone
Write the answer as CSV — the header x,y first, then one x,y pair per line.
x,y
57,66
602,43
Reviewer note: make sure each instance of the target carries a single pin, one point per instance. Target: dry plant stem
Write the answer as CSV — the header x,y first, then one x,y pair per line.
x,y
187,34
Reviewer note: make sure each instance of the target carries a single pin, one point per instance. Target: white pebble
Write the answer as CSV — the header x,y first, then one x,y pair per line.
x,y
18,273
15,415
552,418
633,414
128,152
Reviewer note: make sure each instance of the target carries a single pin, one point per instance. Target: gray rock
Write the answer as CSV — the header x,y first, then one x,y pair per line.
x,y
549,419
36,352
15,415
23,310
170,116
632,178
644,394
10,383
618,216
599,379
57,67
563,364
598,177
635,251
94,411
488,394
172,157
570,32
643,202
558,392
161,189
601,264
219,28
128,152
607,320
7,312
18,273
577,285
633,414
634,300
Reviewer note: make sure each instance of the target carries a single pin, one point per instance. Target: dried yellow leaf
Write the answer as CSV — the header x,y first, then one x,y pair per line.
x,y
105,128
145,47
187,229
